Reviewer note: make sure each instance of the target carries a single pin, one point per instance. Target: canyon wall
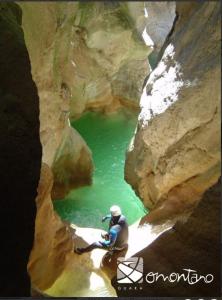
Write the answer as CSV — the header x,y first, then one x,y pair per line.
x,y
20,154
71,77
175,154
87,54
22,229
83,62
53,240
20,162
46,40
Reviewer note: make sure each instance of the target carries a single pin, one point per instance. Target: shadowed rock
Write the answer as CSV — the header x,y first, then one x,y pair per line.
x,y
20,151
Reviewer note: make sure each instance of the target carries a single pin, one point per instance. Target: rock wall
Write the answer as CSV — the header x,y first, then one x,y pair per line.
x,y
175,154
153,21
79,63
48,42
72,165
53,239
20,157
193,245
84,62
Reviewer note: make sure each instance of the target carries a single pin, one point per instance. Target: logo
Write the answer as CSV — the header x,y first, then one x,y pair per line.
x,y
130,270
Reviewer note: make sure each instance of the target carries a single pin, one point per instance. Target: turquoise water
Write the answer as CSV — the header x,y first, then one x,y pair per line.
x,y
108,137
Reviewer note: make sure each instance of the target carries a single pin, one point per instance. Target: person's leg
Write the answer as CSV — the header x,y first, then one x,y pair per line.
x,y
95,245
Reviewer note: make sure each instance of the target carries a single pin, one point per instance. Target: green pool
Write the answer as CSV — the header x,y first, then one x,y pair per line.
x,y
108,137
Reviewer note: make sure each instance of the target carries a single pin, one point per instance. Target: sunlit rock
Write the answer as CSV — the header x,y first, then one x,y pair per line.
x,y
53,241
82,276
89,274
175,154
54,269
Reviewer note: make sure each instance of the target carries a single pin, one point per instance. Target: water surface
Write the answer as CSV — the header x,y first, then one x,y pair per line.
x,y
108,137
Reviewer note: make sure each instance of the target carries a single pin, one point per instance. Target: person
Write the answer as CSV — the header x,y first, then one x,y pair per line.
x,y
117,236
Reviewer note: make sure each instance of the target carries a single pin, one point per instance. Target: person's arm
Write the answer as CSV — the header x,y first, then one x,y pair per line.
x,y
106,217
112,239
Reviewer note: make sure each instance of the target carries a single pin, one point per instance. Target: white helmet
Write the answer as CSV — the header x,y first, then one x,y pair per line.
x,y
115,210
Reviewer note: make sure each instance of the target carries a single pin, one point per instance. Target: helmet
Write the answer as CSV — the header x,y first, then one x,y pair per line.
x,y
115,210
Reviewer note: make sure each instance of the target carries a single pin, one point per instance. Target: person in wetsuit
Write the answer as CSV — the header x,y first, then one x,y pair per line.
x,y
117,236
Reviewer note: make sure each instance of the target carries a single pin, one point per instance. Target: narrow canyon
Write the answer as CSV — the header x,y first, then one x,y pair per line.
x,y
109,103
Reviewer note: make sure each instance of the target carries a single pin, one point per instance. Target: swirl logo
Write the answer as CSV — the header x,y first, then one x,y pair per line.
x,y
130,270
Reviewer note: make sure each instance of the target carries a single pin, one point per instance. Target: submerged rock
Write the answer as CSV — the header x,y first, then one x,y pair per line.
x,y
175,154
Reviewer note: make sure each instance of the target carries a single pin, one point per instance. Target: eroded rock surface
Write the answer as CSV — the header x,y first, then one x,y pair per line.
x,y
53,240
54,268
83,276
153,21
48,42
88,56
175,154
85,52
70,164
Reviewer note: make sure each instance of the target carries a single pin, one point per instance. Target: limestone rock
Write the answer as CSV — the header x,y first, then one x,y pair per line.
x,y
175,154
72,166
128,82
83,276
153,21
48,41
87,56
109,46
54,268
84,53
159,21
53,240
